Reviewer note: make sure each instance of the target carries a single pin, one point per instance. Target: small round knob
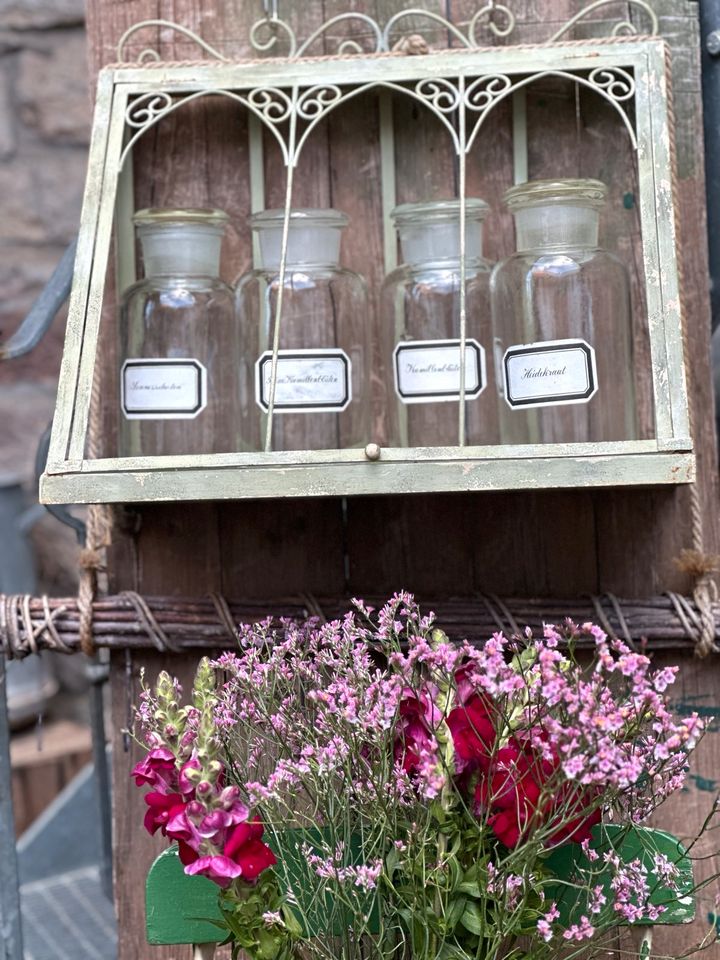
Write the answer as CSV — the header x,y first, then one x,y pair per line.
x,y
712,43
372,451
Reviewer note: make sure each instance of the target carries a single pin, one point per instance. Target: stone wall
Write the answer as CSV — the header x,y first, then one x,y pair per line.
x,y
44,131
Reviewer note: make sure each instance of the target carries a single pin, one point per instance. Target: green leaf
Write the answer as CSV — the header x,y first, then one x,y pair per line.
x,y
292,923
391,861
471,888
472,919
454,913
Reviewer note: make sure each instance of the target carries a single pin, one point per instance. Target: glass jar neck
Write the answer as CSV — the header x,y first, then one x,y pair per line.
x,y
439,241
181,249
556,227
308,246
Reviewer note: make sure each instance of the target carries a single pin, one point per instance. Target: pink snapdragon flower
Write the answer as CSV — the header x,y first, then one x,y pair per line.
x,y
243,855
157,770
163,807
419,717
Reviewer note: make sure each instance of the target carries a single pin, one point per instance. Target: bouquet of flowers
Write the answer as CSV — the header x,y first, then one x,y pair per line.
x,y
366,788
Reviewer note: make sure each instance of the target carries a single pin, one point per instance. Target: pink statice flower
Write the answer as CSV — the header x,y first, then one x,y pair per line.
x,y
583,930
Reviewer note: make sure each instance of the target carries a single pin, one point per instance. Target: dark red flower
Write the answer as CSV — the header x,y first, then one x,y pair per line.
x,y
511,791
418,716
573,800
158,770
506,828
473,732
162,807
514,793
245,847
244,855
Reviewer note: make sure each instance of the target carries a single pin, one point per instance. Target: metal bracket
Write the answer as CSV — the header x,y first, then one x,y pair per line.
x,y
42,313
60,513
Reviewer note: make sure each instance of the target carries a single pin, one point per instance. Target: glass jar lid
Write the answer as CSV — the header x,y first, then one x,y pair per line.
x,y
438,210
160,215
299,218
535,193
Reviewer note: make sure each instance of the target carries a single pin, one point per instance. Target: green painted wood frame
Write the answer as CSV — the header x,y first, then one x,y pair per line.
x,y
131,99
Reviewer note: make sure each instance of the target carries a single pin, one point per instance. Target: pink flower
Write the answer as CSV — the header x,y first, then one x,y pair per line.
x,y
157,770
190,776
244,855
219,820
221,870
163,807
181,828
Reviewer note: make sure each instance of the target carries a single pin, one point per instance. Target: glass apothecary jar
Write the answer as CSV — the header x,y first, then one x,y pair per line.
x,y
322,378
562,321
178,341
420,321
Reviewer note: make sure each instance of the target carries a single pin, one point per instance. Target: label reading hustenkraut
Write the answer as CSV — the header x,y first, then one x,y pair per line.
x,y
549,373
428,371
307,381
163,389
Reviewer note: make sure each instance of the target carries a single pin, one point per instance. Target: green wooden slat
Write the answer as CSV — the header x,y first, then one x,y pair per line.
x,y
179,908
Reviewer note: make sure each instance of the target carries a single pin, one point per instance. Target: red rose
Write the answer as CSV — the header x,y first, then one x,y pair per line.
x,y
473,731
506,828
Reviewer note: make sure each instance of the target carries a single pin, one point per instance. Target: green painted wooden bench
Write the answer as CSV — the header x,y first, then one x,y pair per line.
x,y
182,909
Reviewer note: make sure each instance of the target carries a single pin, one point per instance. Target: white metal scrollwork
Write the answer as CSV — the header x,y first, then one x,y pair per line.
x,y
273,35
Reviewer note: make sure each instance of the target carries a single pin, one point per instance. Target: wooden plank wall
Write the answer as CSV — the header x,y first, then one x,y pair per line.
x,y
522,544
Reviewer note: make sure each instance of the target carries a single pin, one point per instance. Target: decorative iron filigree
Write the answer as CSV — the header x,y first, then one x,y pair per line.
x,y
442,96
270,34
317,101
482,93
617,83
270,104
146,109
612,83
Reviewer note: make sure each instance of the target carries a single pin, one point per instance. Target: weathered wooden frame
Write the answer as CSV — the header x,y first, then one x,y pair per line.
x,y
137,96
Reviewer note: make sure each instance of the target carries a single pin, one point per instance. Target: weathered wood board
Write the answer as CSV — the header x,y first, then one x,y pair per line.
x,y
527,543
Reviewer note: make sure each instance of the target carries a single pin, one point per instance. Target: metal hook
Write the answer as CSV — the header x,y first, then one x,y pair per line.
x,y
271,10
60,513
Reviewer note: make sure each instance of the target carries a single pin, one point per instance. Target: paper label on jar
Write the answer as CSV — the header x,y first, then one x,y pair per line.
x,y
549,373
307,381
163,389
428,371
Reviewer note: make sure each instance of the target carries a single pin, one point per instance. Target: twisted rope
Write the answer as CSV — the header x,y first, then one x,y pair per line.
x,y
701,566
379,55
98,529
